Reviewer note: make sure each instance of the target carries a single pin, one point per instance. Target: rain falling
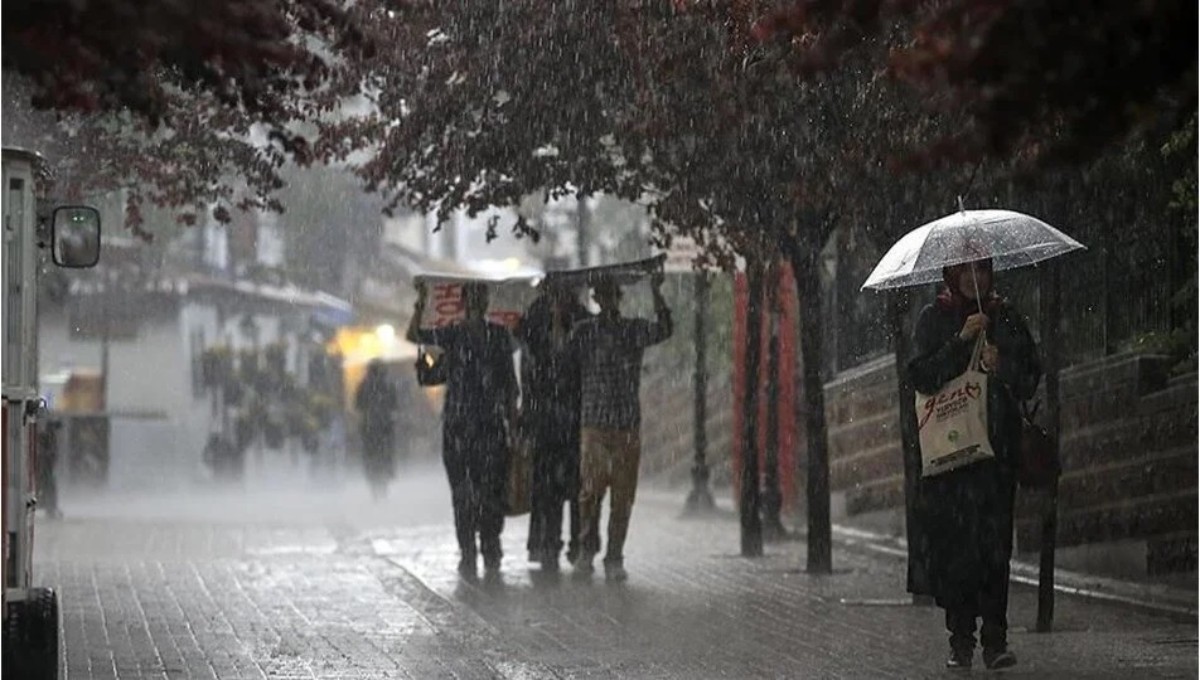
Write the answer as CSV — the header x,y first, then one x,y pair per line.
x,y
648,339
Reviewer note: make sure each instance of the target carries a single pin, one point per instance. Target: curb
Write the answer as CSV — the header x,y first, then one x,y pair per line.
x,y
1164,600
1175,603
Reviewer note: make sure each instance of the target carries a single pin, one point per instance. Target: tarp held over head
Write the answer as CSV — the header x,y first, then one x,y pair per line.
x,y
510,297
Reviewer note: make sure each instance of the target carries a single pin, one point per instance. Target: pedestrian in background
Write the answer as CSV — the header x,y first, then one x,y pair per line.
x,y
610,348
376,402
550,417
967,513
478,420
48,431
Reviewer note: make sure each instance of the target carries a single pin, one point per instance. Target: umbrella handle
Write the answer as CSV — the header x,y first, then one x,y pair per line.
x,y
976,362
975,280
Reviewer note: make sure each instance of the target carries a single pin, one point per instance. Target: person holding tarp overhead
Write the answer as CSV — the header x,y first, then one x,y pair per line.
x,y
478,418
610,348
550,413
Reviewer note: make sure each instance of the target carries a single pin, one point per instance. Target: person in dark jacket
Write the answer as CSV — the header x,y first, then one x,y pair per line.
x,y
376,402
550,412
967,513
477,421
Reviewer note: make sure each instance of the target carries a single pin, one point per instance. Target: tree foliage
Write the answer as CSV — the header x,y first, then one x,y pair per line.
x,y
187,105
122,55
481,104
1058,82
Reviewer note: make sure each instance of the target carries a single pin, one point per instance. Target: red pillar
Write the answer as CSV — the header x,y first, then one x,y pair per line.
x,y
785,295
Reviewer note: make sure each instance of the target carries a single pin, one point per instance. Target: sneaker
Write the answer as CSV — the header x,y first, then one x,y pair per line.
x,y
998,659
960,659
615,572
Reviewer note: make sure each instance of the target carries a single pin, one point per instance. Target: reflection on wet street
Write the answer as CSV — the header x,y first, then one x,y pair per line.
x,y
298,580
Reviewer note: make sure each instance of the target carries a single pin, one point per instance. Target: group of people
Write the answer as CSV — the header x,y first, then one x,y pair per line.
x,y
578,407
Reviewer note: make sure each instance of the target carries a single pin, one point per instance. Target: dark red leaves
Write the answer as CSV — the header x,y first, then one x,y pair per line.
x,y
1077,75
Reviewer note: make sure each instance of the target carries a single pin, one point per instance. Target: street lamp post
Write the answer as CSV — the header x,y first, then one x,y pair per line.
x,y
750,507
700,500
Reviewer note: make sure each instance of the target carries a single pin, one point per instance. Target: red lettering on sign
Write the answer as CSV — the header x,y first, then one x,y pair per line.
x,y
447,291
507,318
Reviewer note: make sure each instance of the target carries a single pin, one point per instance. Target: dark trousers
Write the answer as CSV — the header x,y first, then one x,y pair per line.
x,y
545,528
991,606
555,482
477,467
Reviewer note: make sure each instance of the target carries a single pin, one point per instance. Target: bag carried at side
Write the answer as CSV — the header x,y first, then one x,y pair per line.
x,y
432,373
953,423
520,476
1038,464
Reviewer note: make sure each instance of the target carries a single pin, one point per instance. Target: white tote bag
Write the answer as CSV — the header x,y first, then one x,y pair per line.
x,y
954,422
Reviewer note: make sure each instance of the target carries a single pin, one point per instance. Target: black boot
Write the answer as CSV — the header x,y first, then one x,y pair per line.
x,y
961,624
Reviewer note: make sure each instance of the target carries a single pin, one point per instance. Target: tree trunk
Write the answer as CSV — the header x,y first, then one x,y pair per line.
x,y
772,494
808,290
750,505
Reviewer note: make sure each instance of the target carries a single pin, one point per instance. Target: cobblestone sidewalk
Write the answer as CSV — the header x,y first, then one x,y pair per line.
x,y
292,597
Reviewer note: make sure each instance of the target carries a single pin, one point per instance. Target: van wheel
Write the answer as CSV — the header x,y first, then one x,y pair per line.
x,y
31,636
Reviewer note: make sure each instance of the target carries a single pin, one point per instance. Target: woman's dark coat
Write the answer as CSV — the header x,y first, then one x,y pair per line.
x,y
967,514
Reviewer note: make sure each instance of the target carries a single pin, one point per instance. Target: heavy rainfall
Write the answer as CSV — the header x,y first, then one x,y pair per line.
x,y
642,339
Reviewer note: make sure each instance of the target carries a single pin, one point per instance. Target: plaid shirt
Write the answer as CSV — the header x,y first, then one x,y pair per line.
x,y
611,351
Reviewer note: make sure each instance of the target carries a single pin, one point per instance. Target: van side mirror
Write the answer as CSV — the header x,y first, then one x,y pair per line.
x,y
75,233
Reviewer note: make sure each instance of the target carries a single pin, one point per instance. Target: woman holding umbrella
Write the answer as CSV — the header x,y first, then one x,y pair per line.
x,y
967,513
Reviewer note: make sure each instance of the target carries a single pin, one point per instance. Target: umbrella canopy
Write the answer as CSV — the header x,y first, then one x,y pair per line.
x,y
1011,239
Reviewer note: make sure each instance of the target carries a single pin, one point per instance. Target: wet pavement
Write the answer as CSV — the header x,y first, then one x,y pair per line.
x,y
304,581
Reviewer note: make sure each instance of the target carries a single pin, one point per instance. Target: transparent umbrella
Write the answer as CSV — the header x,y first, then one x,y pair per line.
x,y
1011,239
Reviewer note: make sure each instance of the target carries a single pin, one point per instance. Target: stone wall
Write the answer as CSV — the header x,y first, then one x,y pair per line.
x,y
1129,449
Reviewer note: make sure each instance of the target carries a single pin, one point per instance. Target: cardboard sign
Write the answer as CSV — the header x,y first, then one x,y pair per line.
x,y
508,299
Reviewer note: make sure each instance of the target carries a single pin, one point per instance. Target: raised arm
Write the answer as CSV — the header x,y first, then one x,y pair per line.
x,y
439,337
662,327
413,334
